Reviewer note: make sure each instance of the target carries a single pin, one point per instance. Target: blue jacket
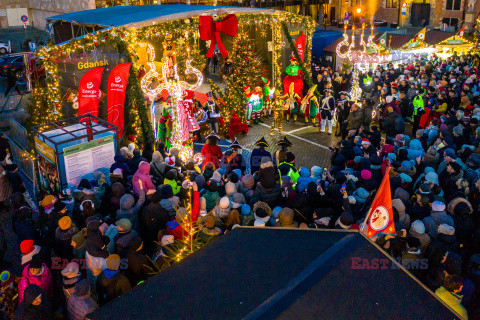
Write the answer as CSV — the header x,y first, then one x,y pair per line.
x,y
304,179
415,149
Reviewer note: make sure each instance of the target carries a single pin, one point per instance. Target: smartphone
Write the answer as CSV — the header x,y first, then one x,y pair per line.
x,y
344,186
319,187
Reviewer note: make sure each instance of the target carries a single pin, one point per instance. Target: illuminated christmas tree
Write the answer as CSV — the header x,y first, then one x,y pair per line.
x,y
248,66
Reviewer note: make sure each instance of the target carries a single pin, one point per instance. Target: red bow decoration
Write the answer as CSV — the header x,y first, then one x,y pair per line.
x,y
210,30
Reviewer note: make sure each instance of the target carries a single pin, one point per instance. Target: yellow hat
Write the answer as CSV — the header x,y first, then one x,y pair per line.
x,y
48,200
113,262
65,223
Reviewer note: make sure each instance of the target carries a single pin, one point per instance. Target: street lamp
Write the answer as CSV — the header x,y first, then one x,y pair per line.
x,y
359,10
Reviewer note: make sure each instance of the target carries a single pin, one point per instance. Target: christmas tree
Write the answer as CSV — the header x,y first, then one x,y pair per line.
x,y
248,70
248,67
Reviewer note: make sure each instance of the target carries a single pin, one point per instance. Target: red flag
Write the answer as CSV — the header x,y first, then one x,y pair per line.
x,y
462,31
300,44
380,216
117,86
88,92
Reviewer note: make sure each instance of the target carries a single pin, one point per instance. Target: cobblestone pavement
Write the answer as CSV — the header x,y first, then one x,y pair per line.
x,y
310,146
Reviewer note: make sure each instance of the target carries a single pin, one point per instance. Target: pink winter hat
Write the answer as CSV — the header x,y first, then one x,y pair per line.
x,y
366,174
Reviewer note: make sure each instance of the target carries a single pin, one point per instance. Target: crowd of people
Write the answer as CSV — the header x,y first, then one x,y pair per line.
x,y
77,257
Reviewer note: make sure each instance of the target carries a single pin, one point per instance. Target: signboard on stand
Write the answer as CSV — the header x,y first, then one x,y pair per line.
x,y
47,167
85,158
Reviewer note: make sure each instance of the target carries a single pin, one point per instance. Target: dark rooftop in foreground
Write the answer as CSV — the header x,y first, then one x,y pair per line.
x,y
267,273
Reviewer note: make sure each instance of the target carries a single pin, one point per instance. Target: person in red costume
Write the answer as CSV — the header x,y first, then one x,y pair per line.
x,y
293,79
211,152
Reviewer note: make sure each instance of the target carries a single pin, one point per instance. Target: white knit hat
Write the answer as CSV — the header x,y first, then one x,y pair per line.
x,y
224,203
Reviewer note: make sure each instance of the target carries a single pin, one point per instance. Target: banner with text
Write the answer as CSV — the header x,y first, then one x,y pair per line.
x,y
88,92
117,86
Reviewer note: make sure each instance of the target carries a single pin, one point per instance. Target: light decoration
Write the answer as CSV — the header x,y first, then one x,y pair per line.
x,y
171,82
126,41
354,55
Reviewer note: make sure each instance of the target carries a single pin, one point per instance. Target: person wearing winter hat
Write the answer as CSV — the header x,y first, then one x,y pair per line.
x,y
35,305
211,198
436,218
417,230
346,221
138,263
222,210
170,179
129,209
81,303
71,275
208,229
36,272
169,201
403,217
124,237
78,244
304,179
285,219
230,189
63,238
246,215
28,250
261,211
111,283
246,186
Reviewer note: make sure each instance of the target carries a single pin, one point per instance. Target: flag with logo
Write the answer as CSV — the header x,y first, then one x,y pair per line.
x,y
380,216
461,32
89,92
383,39
116,88
420,35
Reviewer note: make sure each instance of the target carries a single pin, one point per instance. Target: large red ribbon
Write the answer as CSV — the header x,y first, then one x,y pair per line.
x,y
210,30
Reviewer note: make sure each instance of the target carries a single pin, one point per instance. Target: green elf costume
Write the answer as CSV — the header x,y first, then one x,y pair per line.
x,y
309,105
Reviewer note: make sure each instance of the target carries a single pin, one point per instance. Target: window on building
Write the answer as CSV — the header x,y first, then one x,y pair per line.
x,y
453,4
391,3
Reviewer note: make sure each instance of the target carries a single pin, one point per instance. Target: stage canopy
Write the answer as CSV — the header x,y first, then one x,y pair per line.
x,y
70,25
271,273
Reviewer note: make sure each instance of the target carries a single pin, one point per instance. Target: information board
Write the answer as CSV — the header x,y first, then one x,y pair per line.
x,y
85,158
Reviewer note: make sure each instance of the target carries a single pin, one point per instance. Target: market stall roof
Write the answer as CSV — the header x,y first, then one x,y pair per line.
x,y
455,41
145,15
275,273
432,37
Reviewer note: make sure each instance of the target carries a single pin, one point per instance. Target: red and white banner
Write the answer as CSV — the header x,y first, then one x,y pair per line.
x,y
380,216
89,92
300,44
116,89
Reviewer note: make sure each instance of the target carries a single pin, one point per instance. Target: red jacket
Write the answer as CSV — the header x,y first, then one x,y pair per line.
x,y
212,153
